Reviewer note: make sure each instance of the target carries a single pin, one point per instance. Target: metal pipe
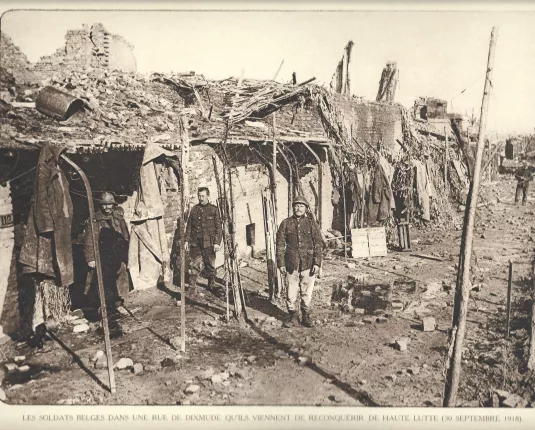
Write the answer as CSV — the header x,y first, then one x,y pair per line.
x,y
98,268
57,104
320,183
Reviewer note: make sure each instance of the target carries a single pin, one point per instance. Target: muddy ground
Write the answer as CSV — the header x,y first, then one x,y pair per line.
x,y
347,358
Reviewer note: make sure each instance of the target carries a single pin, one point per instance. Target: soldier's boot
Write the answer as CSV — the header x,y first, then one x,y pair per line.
x,y
291,321
305,319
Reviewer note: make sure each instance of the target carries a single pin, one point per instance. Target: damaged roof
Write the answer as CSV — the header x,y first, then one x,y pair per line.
x,y
124,111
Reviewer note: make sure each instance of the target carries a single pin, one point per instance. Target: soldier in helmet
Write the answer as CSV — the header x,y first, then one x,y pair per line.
x,y
299,255
523,176
113,239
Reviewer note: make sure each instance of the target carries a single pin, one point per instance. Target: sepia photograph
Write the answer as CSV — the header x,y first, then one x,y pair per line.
x,y
268,208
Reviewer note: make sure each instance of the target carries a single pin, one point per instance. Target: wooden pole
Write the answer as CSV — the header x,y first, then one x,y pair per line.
x,y
462,292
345,211
509,288
184,192
223,215
446,161
531,358
98,268
274,184
364,175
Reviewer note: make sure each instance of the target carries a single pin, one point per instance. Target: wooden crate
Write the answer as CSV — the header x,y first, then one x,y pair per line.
x,y
368,242
377,242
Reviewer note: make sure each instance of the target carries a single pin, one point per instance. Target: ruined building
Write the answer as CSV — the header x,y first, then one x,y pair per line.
x,y
90,47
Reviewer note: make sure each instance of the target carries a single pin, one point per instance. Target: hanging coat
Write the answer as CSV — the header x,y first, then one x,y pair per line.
x,y
148,253
422,189
380,197
388,169
47,243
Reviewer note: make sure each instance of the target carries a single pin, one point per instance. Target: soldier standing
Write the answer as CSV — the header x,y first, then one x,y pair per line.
x,y
299,255
203,238
113,239
523,176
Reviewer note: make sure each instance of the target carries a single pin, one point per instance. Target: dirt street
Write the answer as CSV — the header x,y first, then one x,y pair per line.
x,y
350,356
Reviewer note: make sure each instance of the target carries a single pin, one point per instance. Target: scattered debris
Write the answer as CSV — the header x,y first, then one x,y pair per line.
x,y
101,362
216,379
303,361
169,362
19,359
23,369
81,328
206,374
401,343
138,368
124,363
428,324
191,389
3,397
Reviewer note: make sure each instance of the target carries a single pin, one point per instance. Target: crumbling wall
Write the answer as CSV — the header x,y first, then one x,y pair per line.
x,y
14,61
121,56
89,47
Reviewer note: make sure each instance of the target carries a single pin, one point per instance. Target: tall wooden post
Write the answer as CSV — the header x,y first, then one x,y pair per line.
x,y
446,161
531,358
274,184
462,292
184,197
509,289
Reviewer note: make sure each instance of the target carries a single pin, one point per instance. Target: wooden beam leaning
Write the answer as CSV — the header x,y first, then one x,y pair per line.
x,y
98,268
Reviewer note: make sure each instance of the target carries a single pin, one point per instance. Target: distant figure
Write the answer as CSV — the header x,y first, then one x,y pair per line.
x,y
524,176
113,239
299,255
203,238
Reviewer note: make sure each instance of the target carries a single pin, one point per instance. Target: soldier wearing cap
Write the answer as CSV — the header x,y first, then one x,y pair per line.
x,y
299,255
203,238
113,239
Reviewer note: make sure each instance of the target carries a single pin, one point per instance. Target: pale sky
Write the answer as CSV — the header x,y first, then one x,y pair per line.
x,y
438,54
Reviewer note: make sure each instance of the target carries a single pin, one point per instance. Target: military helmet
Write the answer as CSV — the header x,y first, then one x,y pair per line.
x,y
107,198
300,199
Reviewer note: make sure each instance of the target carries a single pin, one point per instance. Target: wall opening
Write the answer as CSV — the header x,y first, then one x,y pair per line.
x,y
250,234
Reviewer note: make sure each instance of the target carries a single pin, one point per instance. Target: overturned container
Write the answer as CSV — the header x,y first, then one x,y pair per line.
x,y
57,104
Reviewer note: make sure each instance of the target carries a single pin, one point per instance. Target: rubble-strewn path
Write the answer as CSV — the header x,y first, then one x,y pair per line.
x,y
373,352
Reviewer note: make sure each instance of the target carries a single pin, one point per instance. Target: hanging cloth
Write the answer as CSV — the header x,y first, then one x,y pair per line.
x,y
47,243
148,253
422,189
389,173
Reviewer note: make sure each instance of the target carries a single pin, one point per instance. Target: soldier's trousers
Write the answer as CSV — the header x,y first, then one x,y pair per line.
x,y
300,282
198,258
521,189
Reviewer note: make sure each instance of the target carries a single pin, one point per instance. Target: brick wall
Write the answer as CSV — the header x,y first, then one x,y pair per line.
x,y
89,47
14,60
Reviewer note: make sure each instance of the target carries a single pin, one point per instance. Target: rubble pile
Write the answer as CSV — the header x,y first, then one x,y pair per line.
x,y
119,109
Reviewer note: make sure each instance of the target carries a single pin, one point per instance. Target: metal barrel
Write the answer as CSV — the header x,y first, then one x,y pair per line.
x,y
57,104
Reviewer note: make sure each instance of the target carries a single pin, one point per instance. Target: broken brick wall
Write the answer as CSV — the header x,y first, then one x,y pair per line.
x,y
89,47
14,60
